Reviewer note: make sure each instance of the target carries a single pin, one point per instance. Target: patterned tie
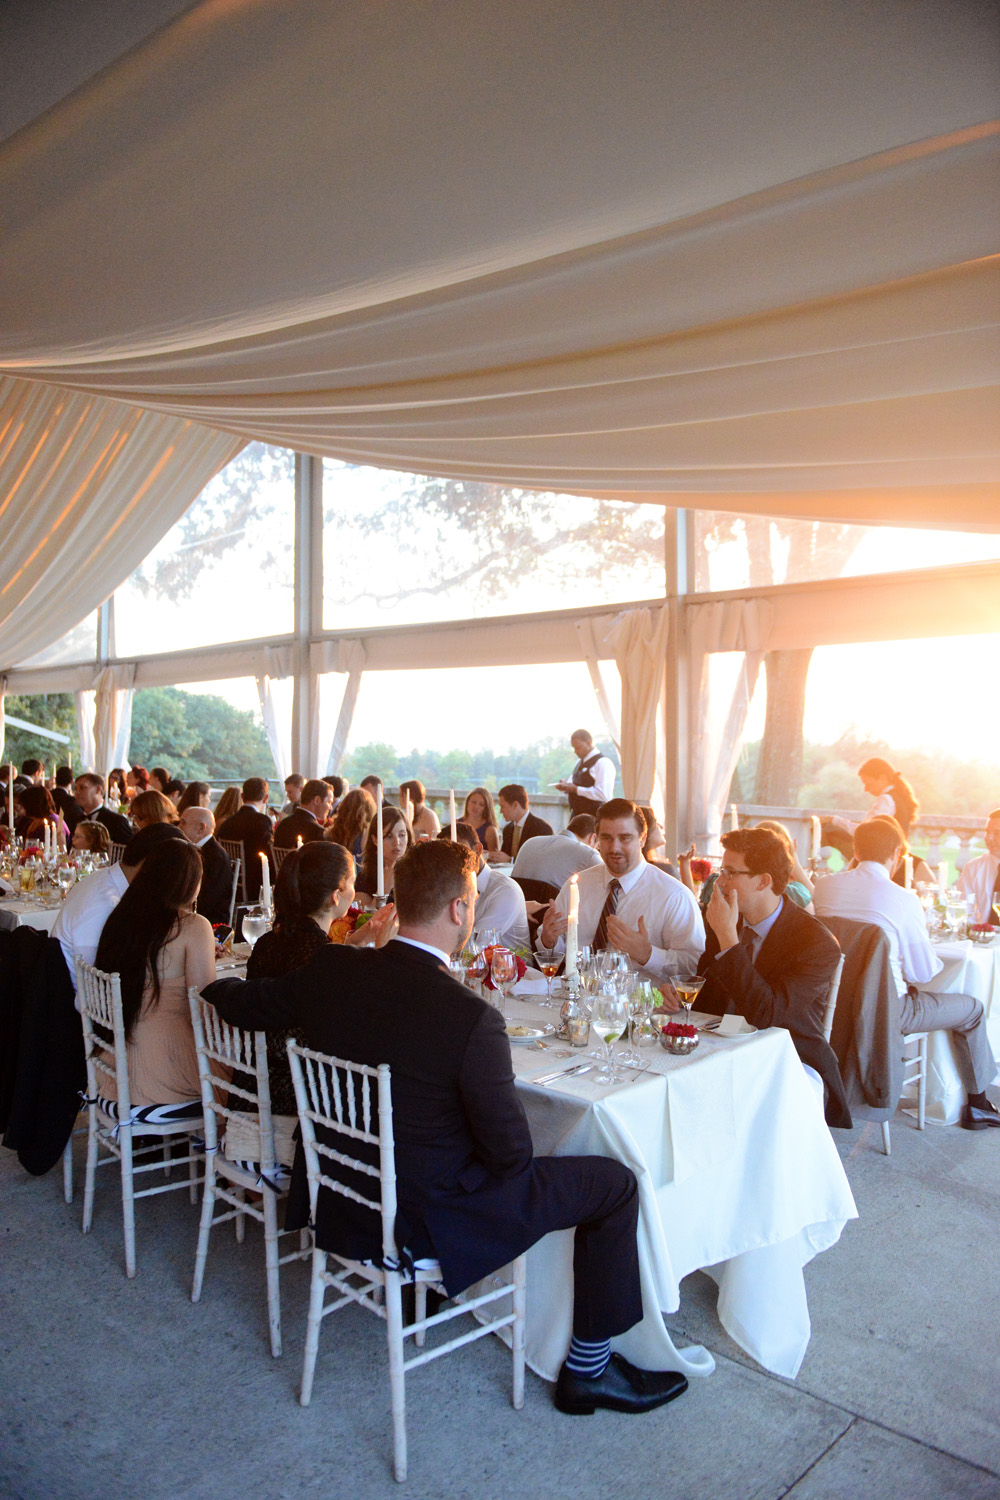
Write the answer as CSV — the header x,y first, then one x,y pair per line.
x,y
608,910
515,841
748,939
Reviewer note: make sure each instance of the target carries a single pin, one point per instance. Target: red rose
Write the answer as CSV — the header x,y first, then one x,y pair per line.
x,y
701,869
488,955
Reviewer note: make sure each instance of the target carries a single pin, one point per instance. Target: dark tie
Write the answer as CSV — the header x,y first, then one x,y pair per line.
x,y
608,910
747,939
515,841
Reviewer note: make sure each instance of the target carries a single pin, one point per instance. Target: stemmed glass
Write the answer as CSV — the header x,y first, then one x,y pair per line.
x,y
503,972
475,966
548,961
65,877
609,1019
955,915
688,987
640,1004
255,924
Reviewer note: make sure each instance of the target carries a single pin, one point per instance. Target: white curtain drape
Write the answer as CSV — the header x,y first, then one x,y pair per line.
x,y
85,709
276,706
589,650
113,691
88,487
638,639
348,657
3,721
720,702
766,278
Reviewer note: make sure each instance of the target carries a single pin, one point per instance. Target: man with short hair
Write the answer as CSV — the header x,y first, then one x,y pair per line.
x,y
306,822
592,780
768,960
471,1193
868,894
519,825
89,791
64,800
215,898
552,858
628,904
293,793
499,902
32,774
251,827
88,904
980,877
340,789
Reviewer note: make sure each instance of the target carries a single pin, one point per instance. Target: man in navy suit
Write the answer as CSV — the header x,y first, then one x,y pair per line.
x,y
252,828
471,1193
520,826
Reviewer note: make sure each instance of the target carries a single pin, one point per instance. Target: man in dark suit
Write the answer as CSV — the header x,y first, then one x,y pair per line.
x,y
251,827
470,1192
64,800
520,825
215,897
768,960
306,822
89,791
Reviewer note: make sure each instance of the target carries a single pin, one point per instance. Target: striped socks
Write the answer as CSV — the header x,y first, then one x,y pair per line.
x,y
587,1360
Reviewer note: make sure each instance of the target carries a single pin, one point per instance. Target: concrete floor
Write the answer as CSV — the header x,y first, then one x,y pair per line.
x,y
126,1389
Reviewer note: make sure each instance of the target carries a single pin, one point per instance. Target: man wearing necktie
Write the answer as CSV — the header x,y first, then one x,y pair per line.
x,y
768,960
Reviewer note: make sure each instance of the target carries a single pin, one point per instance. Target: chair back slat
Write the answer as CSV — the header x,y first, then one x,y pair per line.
x,y
100,1000
230,1048
115,853
279,856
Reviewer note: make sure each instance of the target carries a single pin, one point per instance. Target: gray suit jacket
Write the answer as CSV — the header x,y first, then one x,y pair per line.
x,y
867,1037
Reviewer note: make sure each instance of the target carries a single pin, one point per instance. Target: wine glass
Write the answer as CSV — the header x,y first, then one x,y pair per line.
x,y
688,987
255,924
640,1004
503,972
65,877
548,961
955,915
608,1019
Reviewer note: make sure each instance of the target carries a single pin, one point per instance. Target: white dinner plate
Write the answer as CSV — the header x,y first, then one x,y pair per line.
x,y
519,1035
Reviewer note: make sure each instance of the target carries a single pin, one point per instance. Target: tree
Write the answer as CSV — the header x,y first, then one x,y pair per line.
x,y
55,711
197,736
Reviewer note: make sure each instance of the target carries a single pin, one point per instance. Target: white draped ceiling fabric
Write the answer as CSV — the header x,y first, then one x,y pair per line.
x,y
113,717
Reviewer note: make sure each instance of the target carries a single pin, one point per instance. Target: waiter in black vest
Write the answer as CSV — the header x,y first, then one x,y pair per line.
x,y
592,782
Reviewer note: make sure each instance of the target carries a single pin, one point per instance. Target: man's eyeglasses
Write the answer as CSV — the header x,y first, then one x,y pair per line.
x,y
731,874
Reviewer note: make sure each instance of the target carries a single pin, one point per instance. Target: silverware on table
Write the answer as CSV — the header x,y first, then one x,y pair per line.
x,y
564,1073
640,1072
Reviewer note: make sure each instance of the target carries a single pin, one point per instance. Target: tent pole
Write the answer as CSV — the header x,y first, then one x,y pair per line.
x,y
678,541
308,611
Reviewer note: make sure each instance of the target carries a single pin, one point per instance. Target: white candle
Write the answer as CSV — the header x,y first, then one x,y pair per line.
x,y
10,797
45,839
69,758
265,882
404,806
451,814
734,821
379,858
816,838
908,872
573,927
60,836
943,881
298,842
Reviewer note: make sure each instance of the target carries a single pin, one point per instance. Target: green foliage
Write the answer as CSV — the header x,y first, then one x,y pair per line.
x,y
52,711
197,736
535,766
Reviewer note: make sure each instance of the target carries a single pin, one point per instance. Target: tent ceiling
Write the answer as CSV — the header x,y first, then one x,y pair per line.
x,y
691,248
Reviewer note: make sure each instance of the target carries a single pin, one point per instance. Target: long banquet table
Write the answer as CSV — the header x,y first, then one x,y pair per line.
x,y
738,1175
27,912
969,969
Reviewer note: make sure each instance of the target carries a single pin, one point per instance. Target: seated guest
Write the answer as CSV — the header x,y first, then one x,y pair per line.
x,y
339,787
867,894
196,794
89,792
799,888
118,788
351,822
91,838
251,827
82,915
499,901
980,877
481,815
230,802
766,959
159,947
148,808
63,797
215,895
554,857
519,824
470,1191
160,779
32,774
306,822
174,789
654,843
37,809
137,780
592,780
628,904
423,819
396,839
293,793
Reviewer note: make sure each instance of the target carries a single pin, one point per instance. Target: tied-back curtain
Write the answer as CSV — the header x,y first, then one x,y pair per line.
x,y
340,656
590,652
84,698
276,706
113,716
638,639
88,486
3,721
720,702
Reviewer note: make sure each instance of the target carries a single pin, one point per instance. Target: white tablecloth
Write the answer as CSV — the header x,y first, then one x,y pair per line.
x,y
969,969
28,914
738,1175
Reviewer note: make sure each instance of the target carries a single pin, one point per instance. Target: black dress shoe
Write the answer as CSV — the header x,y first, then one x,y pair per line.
x,y
975,1118
622,1387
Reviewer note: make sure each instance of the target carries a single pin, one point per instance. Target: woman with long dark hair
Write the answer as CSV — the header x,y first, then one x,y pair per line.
x,y
894,796
351,821
480,813
196,794
37,809
158,945
396,839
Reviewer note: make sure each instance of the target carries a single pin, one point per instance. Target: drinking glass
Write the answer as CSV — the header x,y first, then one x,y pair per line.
x,y
688,987
640,1004
954,915
65,876
255,924
608,1019
548,961
503,972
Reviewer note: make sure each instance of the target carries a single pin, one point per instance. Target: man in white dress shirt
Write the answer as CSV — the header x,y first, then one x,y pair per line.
x,y
630,905
981,877
868,894
554,857
499,902
592,779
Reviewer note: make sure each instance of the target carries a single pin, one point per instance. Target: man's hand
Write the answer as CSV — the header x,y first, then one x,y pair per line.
x,y
671,999
723,914
381,929
554,925
627,940
565,786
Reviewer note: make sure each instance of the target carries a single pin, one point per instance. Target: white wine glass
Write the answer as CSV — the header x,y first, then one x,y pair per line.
x,y
609,1019
503,972
255,924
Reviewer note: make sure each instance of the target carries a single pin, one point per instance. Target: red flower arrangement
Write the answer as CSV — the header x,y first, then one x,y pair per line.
x,y
675,1028
488,955
701,869
353,918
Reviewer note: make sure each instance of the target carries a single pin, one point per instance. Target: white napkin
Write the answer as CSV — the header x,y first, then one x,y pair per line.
x,y
734,1026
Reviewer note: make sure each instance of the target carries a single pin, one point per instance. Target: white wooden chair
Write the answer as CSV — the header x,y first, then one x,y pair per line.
x,y
115,853
237,867
99,997
234,848
353,1103
830,1007
914,1071
223,1049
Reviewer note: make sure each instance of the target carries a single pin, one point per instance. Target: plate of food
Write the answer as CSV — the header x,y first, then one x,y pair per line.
x,y
521,1034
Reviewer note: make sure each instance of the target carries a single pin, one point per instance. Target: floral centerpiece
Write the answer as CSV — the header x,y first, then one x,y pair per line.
x,y
521,954
354,918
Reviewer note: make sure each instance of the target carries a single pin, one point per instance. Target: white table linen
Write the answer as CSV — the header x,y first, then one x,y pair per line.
x,y
738,1175
29,914
967,969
